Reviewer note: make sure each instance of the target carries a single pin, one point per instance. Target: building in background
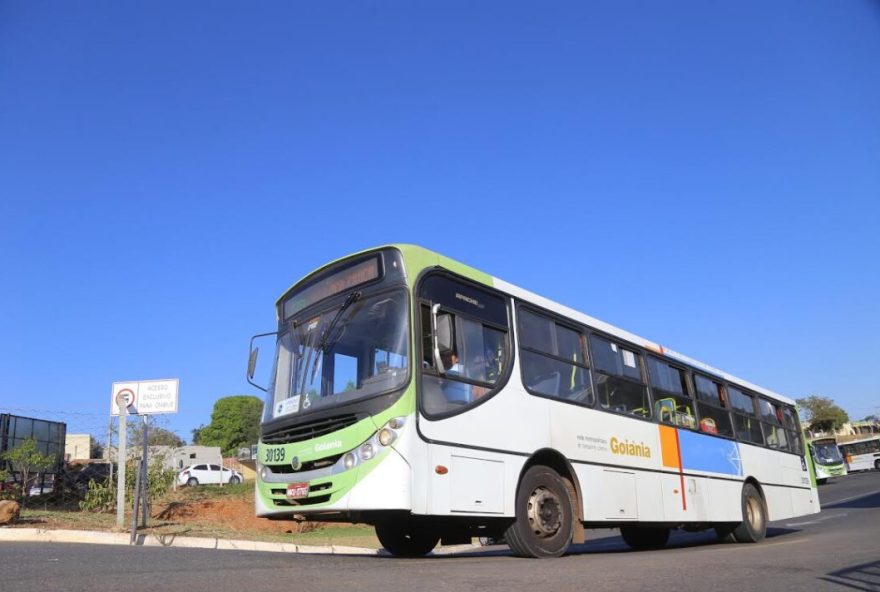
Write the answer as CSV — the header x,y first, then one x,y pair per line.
x,y
854,430
77,447
183,456
50,438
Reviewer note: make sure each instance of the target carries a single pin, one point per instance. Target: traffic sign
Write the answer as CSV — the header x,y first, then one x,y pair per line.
x,y
145,397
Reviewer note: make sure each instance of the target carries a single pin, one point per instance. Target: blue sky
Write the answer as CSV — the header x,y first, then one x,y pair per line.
x,y
706,175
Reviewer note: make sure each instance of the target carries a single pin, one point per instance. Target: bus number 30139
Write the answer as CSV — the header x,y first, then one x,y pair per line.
x,y
274,455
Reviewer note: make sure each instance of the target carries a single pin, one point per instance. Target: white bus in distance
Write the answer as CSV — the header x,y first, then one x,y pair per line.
x,y
861,455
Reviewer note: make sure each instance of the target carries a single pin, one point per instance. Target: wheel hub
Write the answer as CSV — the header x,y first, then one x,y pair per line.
x,y
544,512
753,513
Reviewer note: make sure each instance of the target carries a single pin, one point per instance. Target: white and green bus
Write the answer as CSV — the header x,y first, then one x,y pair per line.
x,y
438,403
827,459
862,454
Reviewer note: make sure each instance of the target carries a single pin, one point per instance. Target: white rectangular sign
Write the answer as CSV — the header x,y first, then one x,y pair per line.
x,y
145,397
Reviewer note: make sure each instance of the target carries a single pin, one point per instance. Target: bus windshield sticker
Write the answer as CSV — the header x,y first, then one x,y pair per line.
x,y
287,406
629,358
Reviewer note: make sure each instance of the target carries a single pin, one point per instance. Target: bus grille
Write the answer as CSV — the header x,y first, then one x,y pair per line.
x,y
323,499
306,431
306,466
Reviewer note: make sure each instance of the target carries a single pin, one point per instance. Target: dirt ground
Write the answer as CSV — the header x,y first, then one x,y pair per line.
x,y
231,513
226,512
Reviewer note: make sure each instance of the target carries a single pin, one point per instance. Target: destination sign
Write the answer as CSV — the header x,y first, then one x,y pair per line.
x,y
341,281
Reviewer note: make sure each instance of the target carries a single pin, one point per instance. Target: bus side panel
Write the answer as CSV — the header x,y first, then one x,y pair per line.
x,y
779,503
726,500
510,420
805,501
475,483
783,478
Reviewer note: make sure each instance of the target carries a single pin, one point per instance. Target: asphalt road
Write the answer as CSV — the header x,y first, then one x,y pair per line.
x,y
837,549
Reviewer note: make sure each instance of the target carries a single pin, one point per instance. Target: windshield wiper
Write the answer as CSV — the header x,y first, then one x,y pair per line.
x,y
325,336
325,340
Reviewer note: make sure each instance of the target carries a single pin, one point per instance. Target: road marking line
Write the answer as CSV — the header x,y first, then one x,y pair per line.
x,y
817,521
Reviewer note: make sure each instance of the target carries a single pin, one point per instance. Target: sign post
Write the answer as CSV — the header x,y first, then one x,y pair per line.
x,y
120,460
146,397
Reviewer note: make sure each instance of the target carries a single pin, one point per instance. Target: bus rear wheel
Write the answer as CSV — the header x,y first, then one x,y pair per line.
x,y
407,537
642,538
753,528
544,515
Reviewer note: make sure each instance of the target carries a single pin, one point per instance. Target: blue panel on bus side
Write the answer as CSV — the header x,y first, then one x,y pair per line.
x,y
700,452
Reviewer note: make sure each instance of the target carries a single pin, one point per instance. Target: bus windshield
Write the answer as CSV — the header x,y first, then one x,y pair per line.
x,y
826,453
354,349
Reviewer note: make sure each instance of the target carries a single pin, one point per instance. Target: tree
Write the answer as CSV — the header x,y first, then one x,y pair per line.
x,y
822,413
101,495
156,435
97,449
25,459
235,423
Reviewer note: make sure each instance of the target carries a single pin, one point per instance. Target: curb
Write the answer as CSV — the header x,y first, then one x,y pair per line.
x,y
40,535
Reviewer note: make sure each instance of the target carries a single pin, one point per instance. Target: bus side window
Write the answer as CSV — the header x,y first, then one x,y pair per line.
x,y
711,407
789,420
475,322
617,375
771,421
553,359
672,401
745,422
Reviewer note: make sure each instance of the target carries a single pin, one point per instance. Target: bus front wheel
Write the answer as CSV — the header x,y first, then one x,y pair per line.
x,y
544,515
753,528
407,537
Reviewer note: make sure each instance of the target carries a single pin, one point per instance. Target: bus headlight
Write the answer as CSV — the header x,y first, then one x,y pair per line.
x,y
386,436
349,461
367,451
264,472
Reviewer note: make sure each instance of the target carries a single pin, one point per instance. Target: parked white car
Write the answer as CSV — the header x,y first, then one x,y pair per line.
x,y
201,474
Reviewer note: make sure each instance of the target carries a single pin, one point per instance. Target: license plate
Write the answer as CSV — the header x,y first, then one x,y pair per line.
x,y
297,490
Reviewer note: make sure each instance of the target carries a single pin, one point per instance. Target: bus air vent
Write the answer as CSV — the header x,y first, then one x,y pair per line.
x,y
312,429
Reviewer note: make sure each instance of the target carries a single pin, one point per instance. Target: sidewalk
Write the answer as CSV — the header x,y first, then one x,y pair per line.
x,y
40,535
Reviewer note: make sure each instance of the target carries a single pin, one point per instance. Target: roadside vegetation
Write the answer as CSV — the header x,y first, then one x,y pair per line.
x,y
203,511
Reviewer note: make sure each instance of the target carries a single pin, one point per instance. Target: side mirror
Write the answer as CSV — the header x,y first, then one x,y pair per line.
x,y
252,360
443,333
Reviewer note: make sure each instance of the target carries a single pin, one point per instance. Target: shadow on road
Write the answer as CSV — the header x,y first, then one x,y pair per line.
x,y
613,544
868,501
865,576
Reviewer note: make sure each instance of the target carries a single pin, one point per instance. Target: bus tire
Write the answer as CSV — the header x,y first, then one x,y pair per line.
x,y
544,515
724,532
642,538
753,528
407,537
877,464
